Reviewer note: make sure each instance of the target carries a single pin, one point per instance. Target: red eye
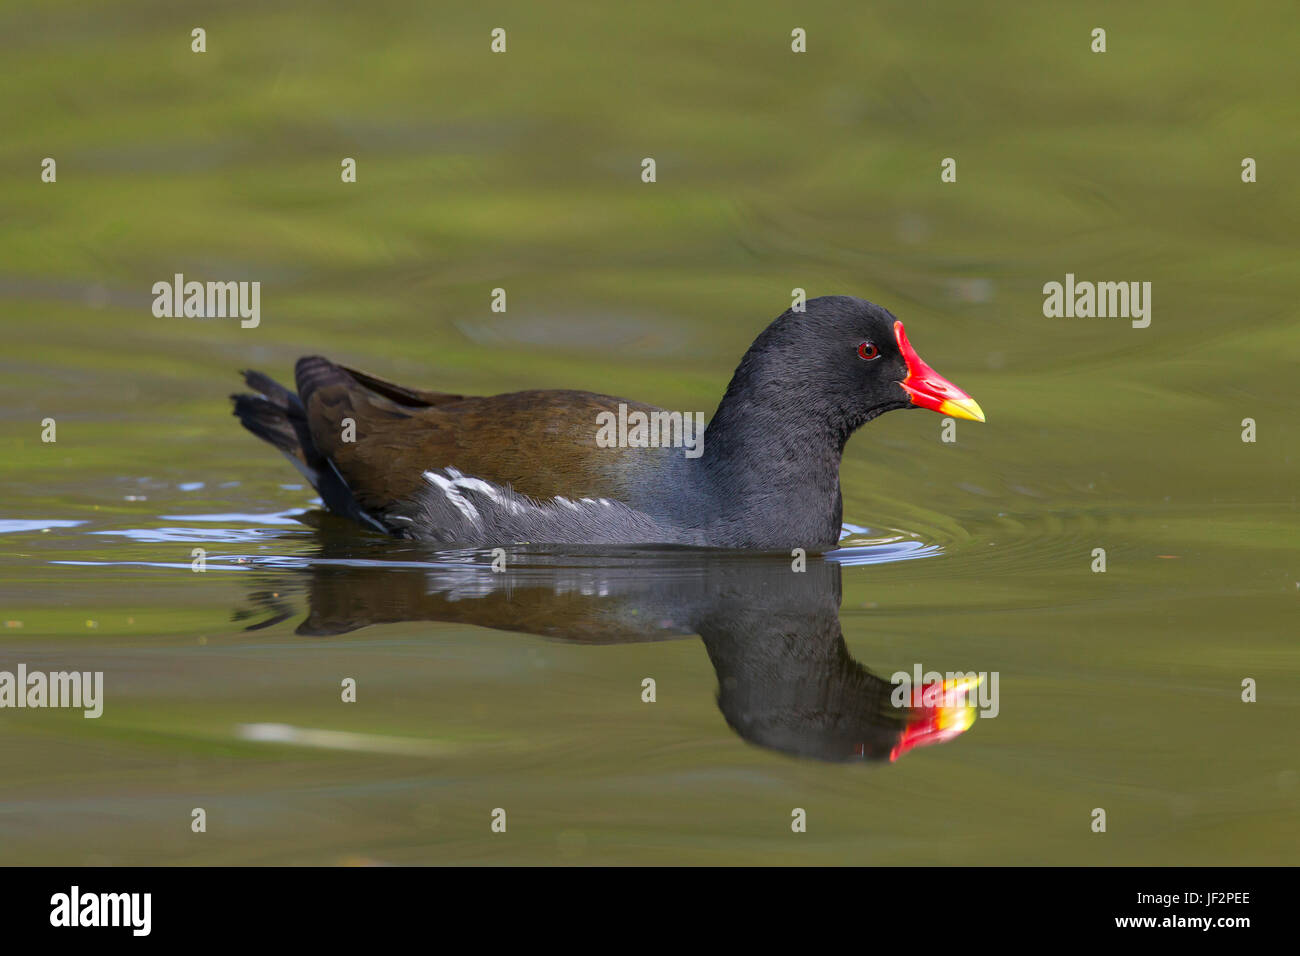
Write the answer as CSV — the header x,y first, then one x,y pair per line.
x,y
867,351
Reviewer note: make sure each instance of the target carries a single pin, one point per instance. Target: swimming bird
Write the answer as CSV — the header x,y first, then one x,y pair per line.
x,y
528,466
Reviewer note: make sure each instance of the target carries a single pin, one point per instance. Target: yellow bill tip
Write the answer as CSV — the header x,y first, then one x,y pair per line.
x,y
962,408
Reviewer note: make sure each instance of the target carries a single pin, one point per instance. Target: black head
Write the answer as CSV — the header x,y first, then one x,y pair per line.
x,y
843,361
772,451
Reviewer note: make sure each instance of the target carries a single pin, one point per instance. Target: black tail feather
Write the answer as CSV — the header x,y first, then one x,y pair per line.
x,y
278,416
271,423
273,391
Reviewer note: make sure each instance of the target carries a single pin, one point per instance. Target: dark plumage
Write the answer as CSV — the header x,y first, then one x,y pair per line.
x,y
526,466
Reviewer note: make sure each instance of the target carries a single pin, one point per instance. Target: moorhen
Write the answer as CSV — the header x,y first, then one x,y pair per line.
x,y
530,466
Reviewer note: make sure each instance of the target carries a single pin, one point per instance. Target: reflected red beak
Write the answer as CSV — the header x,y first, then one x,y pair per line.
x,y
942,712
931,390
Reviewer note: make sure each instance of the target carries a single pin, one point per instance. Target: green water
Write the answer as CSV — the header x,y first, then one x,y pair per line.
x,y
1118,690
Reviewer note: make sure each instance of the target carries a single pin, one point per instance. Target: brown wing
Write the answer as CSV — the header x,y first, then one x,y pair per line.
x,y
540,443
401,394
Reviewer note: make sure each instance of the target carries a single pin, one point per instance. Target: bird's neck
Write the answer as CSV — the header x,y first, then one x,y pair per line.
x,y
772,466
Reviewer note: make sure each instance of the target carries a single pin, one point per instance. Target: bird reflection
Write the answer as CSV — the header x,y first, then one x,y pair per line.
x,y
786,680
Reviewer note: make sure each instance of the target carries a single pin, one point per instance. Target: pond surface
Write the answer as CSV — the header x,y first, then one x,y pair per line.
x,y
523,689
